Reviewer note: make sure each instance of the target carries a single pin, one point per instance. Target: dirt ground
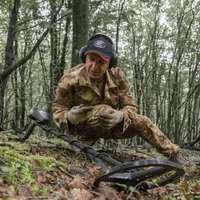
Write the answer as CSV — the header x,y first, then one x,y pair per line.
x,y
41,168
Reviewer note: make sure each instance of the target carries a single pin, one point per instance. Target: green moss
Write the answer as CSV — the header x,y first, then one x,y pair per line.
x,y
46,163
20,168
19,147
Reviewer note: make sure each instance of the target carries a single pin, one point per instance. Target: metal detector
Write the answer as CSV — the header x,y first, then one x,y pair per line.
x,y
143,174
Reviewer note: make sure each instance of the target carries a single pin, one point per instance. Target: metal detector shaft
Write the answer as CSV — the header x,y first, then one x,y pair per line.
x,y
92,154
27,132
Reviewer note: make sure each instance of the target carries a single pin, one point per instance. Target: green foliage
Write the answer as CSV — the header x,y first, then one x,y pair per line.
x,y
17,172
20,165
154,183
36,190
47,163
134,190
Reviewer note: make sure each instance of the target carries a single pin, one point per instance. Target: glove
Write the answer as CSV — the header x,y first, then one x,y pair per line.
x,y
110,117
93,121
79,114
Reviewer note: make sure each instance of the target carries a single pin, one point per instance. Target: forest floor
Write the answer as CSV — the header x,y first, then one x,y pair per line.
x,y
42,168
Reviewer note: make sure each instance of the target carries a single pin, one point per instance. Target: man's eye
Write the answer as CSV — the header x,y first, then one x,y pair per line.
x,y
101,62
92,59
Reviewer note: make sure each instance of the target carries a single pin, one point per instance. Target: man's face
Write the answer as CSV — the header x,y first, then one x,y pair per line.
x,y
96,66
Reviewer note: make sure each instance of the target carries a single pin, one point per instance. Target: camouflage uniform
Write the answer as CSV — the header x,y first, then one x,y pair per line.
x,y
76,87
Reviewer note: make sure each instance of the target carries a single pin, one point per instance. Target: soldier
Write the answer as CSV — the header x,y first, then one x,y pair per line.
x,y
93,101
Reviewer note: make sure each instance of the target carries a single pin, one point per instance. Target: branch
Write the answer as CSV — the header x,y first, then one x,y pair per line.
x,y
3,144
191,143
191,148
9,70
13,67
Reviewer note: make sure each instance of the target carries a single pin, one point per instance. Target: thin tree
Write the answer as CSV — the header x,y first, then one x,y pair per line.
x,y
80,28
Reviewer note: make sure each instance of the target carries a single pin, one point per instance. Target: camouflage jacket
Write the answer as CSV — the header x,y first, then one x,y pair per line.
x,y
76,87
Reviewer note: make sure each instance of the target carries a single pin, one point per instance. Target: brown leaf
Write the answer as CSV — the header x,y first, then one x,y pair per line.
x,y
94,170
61,193
101,197
77,182
4,188
40,178
185,185
81,194
24,191
110,193
36,163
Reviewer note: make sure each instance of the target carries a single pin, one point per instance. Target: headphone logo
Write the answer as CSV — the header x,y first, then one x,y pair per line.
x,y
100,44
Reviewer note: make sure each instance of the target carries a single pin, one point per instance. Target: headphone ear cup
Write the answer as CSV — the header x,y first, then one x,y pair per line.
x,y
113,60
81,54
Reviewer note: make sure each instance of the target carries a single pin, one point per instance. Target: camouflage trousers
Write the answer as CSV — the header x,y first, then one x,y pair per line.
x,y
140,125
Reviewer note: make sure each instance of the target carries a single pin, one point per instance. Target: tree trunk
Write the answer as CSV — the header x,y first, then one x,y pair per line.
x,y
121,5
65,42
9,57
54,55
80,28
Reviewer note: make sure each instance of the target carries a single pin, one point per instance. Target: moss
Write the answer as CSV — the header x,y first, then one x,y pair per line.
x,y
20,168
21,147
11,155
46,163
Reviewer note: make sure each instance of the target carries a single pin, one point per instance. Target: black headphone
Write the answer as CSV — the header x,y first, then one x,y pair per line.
x,y
113,59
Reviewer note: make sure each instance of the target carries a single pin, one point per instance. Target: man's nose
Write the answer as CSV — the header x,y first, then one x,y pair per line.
x,y
95,64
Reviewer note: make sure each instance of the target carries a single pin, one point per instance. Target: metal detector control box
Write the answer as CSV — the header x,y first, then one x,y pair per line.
x,y
40,116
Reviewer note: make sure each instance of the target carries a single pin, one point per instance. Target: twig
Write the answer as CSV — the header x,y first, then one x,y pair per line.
x,y
58,184
187,193
65,172
38,197
191,148
191,143
44,145
8,132
3,144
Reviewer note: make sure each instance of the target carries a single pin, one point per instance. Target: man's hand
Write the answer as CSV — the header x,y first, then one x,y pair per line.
x,y
110,117
79,114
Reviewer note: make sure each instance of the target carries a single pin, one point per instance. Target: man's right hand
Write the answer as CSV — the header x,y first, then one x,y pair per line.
x,y
79,114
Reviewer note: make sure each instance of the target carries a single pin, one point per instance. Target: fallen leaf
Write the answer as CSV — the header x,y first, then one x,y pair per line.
x,y
24,191
36,163
110,193
185,185
77,182
4,188
5,169
94,170
81,194
101,197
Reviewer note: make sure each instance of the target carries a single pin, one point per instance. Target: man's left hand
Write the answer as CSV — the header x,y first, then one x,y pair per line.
x,y
110,117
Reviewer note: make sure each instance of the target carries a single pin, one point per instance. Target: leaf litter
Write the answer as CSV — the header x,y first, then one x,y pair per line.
x,y
39,171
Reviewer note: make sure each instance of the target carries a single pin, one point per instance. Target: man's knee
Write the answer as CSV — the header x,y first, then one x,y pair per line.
x,y
140,125
141,120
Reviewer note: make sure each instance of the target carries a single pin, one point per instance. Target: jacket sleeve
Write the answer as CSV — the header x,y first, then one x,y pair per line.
x,y
127,103
62,103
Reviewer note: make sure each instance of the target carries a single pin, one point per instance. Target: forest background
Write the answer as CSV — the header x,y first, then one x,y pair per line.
x,y
157,43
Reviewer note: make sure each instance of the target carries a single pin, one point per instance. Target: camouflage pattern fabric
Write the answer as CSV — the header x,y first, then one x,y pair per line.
x,y
76,88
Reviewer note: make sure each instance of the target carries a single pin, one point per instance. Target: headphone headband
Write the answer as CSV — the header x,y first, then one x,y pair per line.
x,y
102,35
